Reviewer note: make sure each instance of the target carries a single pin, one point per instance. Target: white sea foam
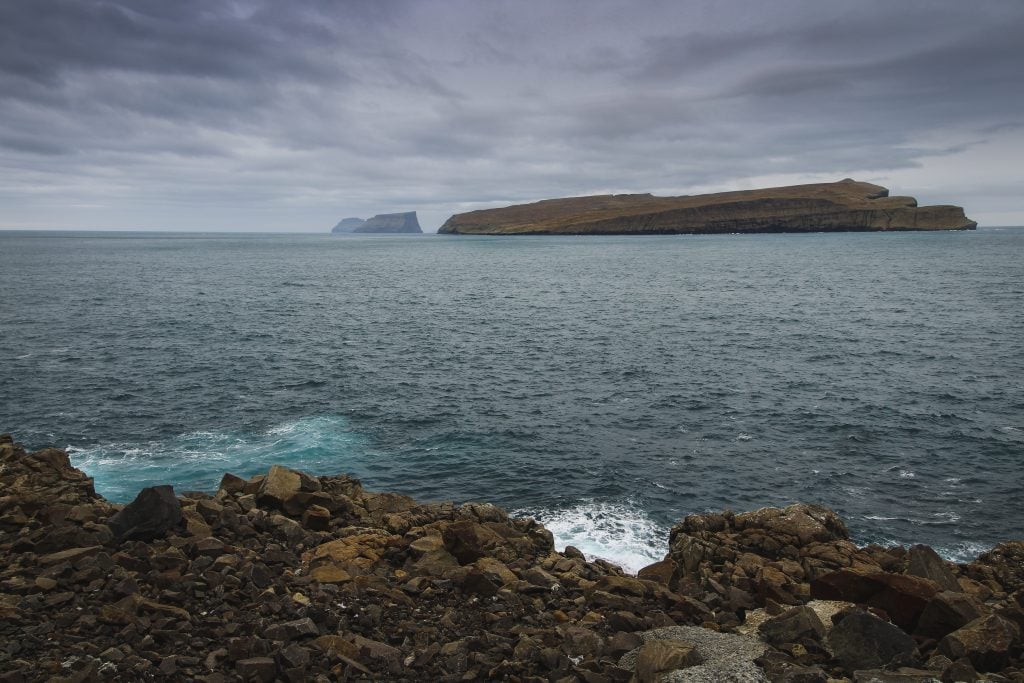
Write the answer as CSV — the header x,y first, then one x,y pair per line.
x,y
965,551
196,460
620,533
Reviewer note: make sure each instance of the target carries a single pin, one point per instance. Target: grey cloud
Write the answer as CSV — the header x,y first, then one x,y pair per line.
x,y
316,108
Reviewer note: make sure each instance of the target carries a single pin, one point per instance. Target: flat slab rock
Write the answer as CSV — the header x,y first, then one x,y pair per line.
x,y
727,657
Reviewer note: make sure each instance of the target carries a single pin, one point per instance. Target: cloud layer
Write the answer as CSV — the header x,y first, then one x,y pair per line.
x,y
261,115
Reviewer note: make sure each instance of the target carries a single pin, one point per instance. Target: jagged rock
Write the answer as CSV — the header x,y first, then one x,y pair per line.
x,y
724,656
947,612
986,641
793,626
925,562
292,630
243,588
842,206
257,669
659,656
153,512
903,597
863,641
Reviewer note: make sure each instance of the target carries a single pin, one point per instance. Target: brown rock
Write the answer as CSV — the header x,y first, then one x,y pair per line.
x,y
153,512
986,641
69,555
863,641
292,630
793,626
317,518
261,669
926,563
947,612
660,572
659,656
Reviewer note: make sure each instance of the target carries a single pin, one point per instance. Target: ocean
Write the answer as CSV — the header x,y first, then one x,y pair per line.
x,y
606,385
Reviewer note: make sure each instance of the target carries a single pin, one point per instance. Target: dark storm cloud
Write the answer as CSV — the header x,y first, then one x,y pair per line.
x,y
313,109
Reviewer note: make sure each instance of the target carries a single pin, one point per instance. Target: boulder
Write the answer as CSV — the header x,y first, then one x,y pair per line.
x,y
793,626
659,656
153,512
947,612
924,562
902,597
986,641
863,641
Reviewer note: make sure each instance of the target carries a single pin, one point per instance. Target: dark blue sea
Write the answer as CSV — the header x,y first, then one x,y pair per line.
x,y
607,385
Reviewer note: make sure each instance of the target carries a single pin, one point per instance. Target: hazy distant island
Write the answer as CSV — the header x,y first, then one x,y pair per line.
x,y
381,223
843,206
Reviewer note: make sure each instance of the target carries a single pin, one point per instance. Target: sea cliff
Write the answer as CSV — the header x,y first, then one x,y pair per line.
x,y
842,206
287,576
382,223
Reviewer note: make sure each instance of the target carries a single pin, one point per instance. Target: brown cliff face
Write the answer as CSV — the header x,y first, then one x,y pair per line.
x,y
844,206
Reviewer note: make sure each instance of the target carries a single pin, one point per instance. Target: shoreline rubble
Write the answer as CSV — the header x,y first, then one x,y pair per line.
x,y
291,577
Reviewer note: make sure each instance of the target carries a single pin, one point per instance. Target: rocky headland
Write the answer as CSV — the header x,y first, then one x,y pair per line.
x,y
842,206
291,577
346,225
382,223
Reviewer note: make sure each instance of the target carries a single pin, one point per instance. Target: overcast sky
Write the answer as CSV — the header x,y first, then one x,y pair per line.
x,y
288,116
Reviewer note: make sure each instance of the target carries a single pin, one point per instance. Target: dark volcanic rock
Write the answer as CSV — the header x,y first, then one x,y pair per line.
x,y
843,206
924,562
153,512
986,641
863,641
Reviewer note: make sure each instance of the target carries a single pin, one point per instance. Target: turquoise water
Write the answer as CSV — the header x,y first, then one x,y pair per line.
x,y
608,385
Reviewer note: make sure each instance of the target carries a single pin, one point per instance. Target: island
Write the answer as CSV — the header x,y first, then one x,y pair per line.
x,y
347,225
844,206
382,223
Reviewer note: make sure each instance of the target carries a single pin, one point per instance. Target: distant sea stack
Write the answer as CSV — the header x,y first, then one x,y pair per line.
x,y
382,223
348,225
844,206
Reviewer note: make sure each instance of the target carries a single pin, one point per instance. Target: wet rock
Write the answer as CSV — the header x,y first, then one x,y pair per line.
x,y
153,513
860,640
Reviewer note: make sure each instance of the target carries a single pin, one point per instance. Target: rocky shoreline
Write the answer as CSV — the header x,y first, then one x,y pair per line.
x,y
291,577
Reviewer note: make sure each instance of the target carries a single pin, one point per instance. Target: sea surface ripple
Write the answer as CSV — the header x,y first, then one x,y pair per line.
x,y
607,385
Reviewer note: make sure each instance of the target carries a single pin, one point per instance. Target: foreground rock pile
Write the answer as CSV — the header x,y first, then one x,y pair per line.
x,y
291,577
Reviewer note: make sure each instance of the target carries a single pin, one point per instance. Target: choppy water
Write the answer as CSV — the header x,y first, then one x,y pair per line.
x,y
609,385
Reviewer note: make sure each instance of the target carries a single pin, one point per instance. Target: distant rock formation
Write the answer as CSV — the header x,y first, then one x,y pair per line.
x,y
391,223
843,206
348,225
